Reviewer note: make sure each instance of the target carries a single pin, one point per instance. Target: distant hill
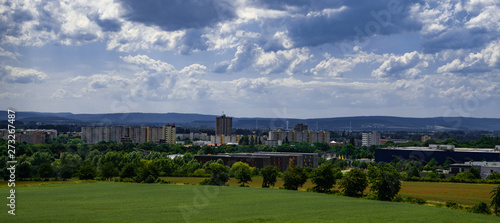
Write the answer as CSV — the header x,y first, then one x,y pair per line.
x,y
198,120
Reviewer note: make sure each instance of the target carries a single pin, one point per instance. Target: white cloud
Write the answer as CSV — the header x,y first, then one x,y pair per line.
x,y
408,65
144,62
336,67
193,70
281,61
486,60
22,75
5,53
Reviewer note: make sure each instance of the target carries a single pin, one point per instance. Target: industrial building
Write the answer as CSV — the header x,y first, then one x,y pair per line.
x,y
262,159
440,153
485,168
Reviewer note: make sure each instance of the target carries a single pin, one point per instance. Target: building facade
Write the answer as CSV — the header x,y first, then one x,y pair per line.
x,y
95,134
262,159
369,139
224,125
168,134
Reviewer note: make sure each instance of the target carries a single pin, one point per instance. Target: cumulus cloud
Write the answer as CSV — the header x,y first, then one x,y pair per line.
x,y
144,62
336,67
252,55
457,24
408,65
486,60
20,75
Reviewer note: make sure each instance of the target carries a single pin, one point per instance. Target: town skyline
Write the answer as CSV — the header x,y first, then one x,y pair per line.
x,y
292,59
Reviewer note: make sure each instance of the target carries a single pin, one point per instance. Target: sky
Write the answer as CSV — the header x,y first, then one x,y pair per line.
x,y
259,58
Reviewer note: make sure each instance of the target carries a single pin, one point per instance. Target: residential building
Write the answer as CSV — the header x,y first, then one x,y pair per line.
x,y
168,134
369,139
224,125
95,134
36,136
300,127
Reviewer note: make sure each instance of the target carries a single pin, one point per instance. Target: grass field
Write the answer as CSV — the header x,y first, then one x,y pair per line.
x,y
461,193
131,202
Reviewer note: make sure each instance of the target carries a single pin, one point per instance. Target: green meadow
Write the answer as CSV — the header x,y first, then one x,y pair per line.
x,y
131,202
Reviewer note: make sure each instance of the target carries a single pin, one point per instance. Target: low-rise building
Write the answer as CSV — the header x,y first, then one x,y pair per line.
x,y
262,159
485,168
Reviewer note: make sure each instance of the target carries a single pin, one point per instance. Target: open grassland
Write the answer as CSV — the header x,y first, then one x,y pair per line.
x,y
131,202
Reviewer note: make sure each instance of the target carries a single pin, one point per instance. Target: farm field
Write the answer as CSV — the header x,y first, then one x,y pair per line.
x,y
131,202
461,193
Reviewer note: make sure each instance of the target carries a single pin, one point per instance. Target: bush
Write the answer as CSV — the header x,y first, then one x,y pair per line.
x,y
200,173
481,208
127,180
415,200
398,198
206,182
453,205
150,179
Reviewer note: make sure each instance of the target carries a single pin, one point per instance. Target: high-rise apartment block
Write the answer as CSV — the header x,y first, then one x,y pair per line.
x,y
95,134
224,125
300,127
168,133
369,139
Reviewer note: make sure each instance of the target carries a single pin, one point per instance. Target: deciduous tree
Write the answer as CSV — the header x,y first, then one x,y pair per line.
x,y
269,175
385,181
324,177
242,172
354,182
294,177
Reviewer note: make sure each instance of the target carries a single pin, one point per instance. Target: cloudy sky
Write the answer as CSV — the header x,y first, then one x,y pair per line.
x,y
259,58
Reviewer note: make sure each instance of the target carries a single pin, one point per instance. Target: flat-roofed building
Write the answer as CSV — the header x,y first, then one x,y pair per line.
x,y
281,160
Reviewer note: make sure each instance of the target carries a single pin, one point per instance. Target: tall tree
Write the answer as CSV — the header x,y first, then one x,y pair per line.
x,y
269,174
354,182
324,177
242,172
219,174
294,177
385,181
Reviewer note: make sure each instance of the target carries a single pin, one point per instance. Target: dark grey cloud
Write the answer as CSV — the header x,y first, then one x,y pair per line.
x,y
455,38
178,14
109,25
354,21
